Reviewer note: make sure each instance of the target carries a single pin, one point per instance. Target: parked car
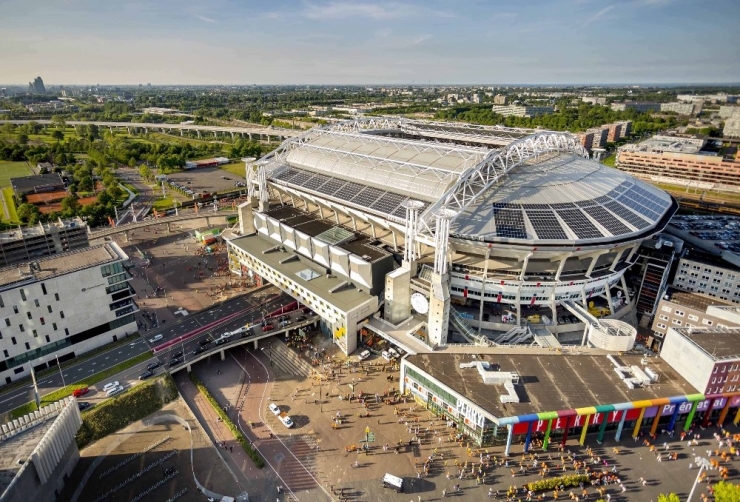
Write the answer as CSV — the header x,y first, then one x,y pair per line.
x,y
275,409
114,391
83,405
204,342
177,355
110,385
80,392
146,375
155,339
174,362
386,355
285,323
300,318
221,341
287,422
268,327
364,355
198,351
153,366
393,353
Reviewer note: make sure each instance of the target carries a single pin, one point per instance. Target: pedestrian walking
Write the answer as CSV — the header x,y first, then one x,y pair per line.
x,y
444,493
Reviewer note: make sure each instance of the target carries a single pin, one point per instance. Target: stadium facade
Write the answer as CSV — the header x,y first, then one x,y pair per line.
x,y
421,229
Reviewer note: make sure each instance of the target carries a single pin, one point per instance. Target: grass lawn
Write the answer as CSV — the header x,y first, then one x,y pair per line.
x,y
163,204
10,203
235,168
85,382
12,170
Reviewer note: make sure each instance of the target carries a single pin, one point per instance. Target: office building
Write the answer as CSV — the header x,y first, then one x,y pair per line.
x,y
594,100
521,110
710,275
728,111
39,183
681,160
63,305
683,310
679,108
25,244
731,128
500,99
599,137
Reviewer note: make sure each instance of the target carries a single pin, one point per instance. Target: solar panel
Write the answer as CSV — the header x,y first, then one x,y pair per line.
x,y
585,203
580,225
336,236
367,197
627,215
388,202
348,191
603,199
607,220
546,225
640,204
331,186
315,181
536,206
509,223
562,205
505,205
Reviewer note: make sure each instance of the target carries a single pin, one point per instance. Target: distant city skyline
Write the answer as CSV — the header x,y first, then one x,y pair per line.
x,y
505,42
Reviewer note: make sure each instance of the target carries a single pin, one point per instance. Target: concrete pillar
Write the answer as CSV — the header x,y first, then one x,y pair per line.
x,y
722,415
560,268
591,265
609,298
582,439
508,440
632,252
198,132
690,416
602,429
638,424
397,295
524,267
553,308
546,440
565,430
618,435
181,132
249,135
672,423
519,305
528,439
708,412
616,260
654,427
255,344
223,355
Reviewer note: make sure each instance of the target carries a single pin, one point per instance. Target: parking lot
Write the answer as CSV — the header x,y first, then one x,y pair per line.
x,y
205,179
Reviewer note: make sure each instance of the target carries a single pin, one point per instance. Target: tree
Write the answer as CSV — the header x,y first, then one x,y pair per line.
x,y
104,198
58,120
28,213
671,497
145,172
114,191
57,135
23,139
132,162
726,492
70,206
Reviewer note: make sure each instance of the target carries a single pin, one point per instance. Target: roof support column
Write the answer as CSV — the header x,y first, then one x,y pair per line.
x,y
554,308
618,435
483,288
585,306
594,259
562,266
509,436
524,267
632,252
609,303
518,304
616,260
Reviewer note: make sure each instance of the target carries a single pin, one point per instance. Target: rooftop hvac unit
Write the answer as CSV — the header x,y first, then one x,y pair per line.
x,y
654,377
640,375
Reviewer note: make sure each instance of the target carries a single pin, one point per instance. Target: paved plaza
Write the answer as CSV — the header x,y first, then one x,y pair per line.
x,y
319,463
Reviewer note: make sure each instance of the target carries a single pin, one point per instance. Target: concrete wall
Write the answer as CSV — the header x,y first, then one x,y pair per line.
x,y
687,359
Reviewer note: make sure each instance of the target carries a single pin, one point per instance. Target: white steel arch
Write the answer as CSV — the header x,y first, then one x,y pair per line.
x,y
492,169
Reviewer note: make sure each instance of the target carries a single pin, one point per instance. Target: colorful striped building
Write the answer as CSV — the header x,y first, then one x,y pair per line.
x,y
514,398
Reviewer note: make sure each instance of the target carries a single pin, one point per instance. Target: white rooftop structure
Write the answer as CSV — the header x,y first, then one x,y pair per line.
x,y
667,144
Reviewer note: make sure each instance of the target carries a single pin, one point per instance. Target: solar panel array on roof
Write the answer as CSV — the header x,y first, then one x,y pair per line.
x,y
335,236
382,201
546,225
580,225
509,223
536,206
643,202
627,215
562,205
607,220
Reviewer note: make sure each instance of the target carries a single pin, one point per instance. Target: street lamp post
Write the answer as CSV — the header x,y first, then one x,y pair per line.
x,y
60,371
703,463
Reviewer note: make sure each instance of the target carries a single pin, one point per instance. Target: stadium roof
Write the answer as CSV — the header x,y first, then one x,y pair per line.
x,y
540,186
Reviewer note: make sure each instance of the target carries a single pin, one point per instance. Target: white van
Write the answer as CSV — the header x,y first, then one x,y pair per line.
x,y
391,481
110,385
114,391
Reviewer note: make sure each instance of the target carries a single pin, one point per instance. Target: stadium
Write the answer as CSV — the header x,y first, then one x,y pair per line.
x,y
427,233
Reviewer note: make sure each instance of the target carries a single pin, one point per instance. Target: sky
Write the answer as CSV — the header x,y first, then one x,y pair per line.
x,y
369,42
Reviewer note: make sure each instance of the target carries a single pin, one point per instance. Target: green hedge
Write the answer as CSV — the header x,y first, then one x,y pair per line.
x,y
118,412
553,483
253,454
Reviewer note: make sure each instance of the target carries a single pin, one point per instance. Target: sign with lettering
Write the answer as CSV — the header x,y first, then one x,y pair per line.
x,y
473,417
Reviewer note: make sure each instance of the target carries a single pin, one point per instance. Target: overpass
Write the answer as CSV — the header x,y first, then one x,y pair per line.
x,y
262,133
254,338
209,216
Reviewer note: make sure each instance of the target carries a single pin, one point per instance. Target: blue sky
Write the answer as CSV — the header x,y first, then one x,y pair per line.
x,y
369,42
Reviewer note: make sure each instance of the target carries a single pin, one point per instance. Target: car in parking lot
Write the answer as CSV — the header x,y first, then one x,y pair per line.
x,y
285,323
394,353
268,327
114,391
110,385
146,375
221,341
80,392
204,342
364,355
83,405
174,362
155,339
198,351
177,355
287,422
386,355
275,409
153,366
300,318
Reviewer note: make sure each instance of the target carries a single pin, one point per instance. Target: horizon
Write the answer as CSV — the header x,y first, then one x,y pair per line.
x,y
333,42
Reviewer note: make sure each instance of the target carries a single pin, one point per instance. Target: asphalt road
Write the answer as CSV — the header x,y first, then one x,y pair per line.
x,y
247,309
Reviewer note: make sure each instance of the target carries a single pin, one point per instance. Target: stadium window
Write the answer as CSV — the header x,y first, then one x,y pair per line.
x,y
22,328
49,308
12,339
23,294
56,296
36,302
54,325
66,331
28,314
43,288
61,314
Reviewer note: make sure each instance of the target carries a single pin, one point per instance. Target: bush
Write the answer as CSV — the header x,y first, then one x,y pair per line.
x,y
119,412
553,483
253,454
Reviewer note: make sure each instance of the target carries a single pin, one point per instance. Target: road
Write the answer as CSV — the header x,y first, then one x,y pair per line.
x,y
142,202
248,308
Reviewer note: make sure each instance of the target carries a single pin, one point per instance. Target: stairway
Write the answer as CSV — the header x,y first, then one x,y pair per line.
x,y
287,360
457,321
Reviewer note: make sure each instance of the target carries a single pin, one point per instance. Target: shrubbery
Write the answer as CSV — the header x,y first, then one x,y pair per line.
x,y
554,483
119,412
253,454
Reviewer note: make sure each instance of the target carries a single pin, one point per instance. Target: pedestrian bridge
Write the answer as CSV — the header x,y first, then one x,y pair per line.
x,y
106,232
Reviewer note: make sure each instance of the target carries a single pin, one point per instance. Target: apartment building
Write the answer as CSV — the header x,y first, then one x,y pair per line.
x,y
702,273
586,139
44,239
522,111
732,127
62,305
500,99
594,100
599,138
680,108
682,310
726,112
634,105
672,158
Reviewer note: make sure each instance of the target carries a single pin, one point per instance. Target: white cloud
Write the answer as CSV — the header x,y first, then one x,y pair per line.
x,y
343,10
206,19
421,39
599,14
